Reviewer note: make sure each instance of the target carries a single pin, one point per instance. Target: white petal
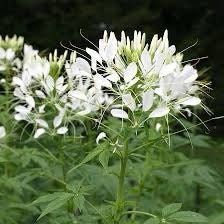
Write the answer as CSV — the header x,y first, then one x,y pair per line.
x,y
159,112
76,94
18,93
22,110
20,117
147,100
172,49
129,101
111,48
46,68
2,132
100,136
119,113
17,81
26,78
132,82
167,69
159,63
190,74
145,59
40,94
94,54
113,77
100,81
57,120
190,101
59,82
49,84
83,65
130,72
30,101
42,123
62,130
39,132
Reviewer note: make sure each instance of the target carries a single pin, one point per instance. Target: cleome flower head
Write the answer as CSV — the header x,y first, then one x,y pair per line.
x,y
9,50
53,92
131,79
147,79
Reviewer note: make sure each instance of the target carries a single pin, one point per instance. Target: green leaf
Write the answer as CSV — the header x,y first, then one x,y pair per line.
x,y
47,198
89,157
169,209
152,221
188,216
55,204
104,158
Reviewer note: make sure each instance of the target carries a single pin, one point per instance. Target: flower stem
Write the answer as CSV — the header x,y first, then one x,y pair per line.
x,y
120,201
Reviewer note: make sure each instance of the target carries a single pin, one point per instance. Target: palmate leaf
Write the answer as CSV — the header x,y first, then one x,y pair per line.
x,y
91,155
188,216
169,209
57,201
47,198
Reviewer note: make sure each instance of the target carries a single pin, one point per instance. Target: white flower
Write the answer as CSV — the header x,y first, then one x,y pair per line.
x,y
130,73
141,76
147,100
101,136
58,119
119,113
107,50
159,112
42,123
39,132
129,101
62,130
190,101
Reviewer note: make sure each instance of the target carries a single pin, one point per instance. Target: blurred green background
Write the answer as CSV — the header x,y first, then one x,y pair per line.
x,y
44,23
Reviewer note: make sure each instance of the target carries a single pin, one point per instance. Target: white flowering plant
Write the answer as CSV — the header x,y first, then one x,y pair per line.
x,y
90,134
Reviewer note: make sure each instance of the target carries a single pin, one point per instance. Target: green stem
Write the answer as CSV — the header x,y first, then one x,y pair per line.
x,y
120,192
64,176
140,213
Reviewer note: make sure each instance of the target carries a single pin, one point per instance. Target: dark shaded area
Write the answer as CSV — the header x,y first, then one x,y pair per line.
x,y
45,23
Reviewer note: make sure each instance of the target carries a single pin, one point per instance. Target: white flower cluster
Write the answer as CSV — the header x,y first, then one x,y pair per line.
x,y
9,48
126,77
52,93
150,79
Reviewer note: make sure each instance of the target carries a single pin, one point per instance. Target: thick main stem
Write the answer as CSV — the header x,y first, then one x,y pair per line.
x,y
120,192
